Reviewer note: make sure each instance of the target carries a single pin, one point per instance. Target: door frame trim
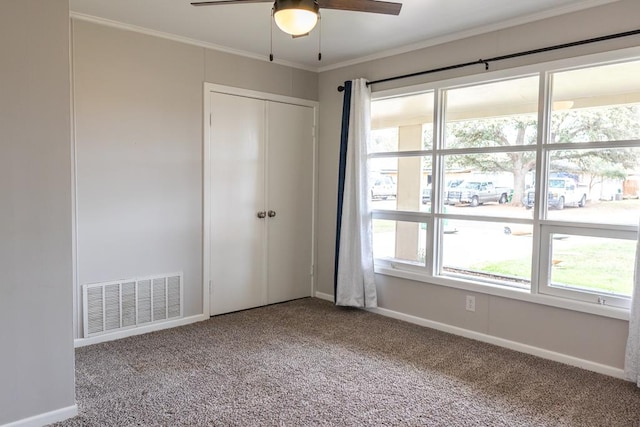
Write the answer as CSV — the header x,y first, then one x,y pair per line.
x,y
206,184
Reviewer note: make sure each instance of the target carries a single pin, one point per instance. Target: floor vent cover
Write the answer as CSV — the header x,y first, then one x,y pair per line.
x,y
124,304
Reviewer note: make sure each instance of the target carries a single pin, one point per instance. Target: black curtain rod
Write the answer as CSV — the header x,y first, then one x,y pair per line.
x,y
503,57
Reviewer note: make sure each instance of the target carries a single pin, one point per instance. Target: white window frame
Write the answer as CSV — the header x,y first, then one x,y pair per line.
x,y
545,287
540,291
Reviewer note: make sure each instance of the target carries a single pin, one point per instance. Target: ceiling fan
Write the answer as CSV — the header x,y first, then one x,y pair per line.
x,y
299,17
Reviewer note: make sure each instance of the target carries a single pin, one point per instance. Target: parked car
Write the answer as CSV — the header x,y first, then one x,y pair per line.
x,y
383,187
426,194
475,192
561,192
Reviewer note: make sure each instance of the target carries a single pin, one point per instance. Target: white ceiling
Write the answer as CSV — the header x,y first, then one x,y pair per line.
x,y
347,37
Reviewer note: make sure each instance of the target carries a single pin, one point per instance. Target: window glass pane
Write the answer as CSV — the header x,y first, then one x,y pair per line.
x,y
400,183
383,178
400,240
599,186
595,264
402,124
495,114
383,140
596,104
489,252
494,183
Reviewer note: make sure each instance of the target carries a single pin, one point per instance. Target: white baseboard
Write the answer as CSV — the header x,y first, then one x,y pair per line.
x,y
501,342
324,296
46,418
81,342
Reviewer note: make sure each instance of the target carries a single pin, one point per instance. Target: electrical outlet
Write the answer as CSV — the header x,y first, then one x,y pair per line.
x,y
471,303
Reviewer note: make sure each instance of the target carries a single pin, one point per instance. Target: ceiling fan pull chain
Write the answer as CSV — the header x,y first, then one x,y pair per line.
x,y
319,37
271,38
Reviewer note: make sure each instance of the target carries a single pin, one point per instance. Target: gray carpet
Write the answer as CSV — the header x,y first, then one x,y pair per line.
x,y
308,363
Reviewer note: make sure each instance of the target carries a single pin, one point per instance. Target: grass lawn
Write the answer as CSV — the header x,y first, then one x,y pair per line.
x,y
582,262
383,226
604,265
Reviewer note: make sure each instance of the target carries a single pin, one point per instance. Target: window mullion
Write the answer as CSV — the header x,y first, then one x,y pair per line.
x,y
434,261
387,154
540,254
483,150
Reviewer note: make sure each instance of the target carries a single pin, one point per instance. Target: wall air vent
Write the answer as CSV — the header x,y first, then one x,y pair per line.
x,y
125,304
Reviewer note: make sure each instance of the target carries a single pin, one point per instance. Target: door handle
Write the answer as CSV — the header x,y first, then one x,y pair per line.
x,y
262,214
272,214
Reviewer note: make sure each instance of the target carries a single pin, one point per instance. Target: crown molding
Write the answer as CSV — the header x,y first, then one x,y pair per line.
x,y
181,39
521,20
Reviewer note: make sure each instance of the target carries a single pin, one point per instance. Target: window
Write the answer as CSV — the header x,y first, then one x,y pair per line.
x,y
590,264
489,190
400,240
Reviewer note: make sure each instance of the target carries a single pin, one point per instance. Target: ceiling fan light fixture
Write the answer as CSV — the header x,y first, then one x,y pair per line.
x,y
296,17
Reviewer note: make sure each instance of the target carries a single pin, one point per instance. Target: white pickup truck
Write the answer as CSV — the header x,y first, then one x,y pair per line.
x,y
383,187
562,192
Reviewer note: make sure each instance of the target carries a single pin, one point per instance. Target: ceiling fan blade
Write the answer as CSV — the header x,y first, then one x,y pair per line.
x,y
213,3
373,6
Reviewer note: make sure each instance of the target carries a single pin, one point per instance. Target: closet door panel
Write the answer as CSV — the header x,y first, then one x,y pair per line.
x,y
289,196
238,236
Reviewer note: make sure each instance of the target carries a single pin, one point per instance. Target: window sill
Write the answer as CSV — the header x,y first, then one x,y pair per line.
x,y
506,292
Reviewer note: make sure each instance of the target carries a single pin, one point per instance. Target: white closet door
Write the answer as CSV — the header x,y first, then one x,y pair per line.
x,y
238,236
290,195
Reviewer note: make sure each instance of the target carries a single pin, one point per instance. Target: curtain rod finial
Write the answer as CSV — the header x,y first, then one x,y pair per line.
x,y
340,88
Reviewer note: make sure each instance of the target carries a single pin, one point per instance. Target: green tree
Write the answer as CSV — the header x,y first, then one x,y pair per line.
x,y
503,131
613,123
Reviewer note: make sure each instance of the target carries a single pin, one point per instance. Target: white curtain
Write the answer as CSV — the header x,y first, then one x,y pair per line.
x,y
632,356
355,284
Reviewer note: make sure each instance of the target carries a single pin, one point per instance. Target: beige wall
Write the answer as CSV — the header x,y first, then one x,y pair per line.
x,y
585,336
138,126
580,335
36,336
238,71
138,122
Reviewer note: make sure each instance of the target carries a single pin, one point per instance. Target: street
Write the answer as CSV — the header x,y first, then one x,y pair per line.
x,y
468,244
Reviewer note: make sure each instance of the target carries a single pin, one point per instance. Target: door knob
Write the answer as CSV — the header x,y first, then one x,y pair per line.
x,y
262,214
272,214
